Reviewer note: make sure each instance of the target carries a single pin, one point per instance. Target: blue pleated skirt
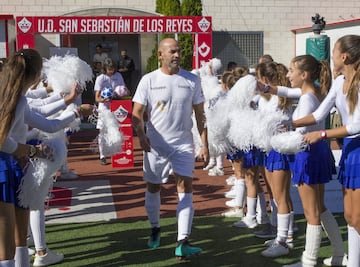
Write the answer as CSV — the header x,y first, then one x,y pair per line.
x,y
315,165
10,178
276,161
349,172
255,157
238,154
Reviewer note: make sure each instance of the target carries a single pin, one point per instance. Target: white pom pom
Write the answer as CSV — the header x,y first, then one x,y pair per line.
x,y
288,142
216,65
239,133
218,123
39,173
211,87
243,91
266,125
110,133
63,72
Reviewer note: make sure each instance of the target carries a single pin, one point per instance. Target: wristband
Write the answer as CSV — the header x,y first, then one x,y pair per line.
x,y
203,145
323,135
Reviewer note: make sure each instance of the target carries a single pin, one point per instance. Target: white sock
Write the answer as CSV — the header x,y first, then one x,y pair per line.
x,y
152,206
219,161
251,208
331,229
101,147
240,189
212,161
353,247
291,225
274,211
282,227
312,245
22,258
184,214
7,263
261,212
37,225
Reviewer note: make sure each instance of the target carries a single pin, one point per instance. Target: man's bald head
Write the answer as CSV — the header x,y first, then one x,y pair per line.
x,y
166,43
169,53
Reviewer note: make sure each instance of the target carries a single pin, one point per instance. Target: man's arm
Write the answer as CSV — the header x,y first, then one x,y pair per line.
x,y
201,125
139,127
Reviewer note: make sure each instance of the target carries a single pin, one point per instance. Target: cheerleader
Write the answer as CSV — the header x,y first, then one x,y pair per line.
x,y
278,165
20,72
313,167
344,94
238,191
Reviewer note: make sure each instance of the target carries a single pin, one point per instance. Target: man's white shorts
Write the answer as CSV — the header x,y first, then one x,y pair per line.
x,y
157,167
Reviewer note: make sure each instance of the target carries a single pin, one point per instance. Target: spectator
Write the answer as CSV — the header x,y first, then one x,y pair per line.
x,y
126,67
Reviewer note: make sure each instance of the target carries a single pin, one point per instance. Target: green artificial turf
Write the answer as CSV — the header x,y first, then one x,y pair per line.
x,y
123,243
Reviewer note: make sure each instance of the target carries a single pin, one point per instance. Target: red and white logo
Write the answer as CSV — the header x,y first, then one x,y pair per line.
x,y
204,49
204,24
24,25
121,113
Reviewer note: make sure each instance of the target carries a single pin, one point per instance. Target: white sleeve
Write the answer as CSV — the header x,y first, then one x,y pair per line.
x,y
141,93
326,105
304,108
35,120
37,93
49,109
98,82
288,92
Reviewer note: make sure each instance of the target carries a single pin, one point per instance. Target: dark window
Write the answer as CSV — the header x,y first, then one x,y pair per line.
x,y
244,48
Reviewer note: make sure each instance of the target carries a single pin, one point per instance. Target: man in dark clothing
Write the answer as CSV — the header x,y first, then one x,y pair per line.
x,y
126,66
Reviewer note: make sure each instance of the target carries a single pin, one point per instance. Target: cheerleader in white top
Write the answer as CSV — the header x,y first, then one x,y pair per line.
x,y
345,96
106,86
277,164
312,168
20,72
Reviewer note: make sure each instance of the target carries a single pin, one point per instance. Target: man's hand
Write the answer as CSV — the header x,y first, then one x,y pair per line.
x,y
204,154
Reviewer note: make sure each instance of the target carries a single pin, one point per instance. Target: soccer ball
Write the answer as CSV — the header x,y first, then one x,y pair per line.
x,y
107,92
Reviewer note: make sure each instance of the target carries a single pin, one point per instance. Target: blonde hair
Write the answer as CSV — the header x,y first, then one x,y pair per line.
x,y
276,75
318,70
350,44
20,69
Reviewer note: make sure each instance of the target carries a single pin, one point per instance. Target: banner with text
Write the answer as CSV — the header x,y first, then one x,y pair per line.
x,y
201,26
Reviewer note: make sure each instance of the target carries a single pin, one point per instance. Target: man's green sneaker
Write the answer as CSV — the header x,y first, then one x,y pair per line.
x,y
154,239
184,250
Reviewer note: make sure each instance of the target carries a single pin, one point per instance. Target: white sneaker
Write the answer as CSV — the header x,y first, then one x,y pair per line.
x,y
231,203
231,193
234,212
289,242
31,251
208,167
246,223
216,172
69,175
336,261
48,259
231,180
275,250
